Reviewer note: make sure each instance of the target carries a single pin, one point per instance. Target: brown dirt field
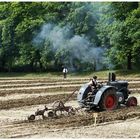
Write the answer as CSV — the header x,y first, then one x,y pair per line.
x,y
41,128
53,86
37,90
22,97
32,101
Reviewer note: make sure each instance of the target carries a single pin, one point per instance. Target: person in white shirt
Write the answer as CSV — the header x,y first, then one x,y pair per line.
x,y
65,71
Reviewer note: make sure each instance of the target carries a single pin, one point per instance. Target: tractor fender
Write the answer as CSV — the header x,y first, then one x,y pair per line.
x,y
82,92
100,93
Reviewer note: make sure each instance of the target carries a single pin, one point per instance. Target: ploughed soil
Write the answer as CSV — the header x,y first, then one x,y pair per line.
x,y
20,98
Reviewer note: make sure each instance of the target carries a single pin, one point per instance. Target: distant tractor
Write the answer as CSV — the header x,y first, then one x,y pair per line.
x,y
106,97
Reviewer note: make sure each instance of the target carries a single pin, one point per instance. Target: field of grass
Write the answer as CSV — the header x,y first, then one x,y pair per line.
x,y
102,74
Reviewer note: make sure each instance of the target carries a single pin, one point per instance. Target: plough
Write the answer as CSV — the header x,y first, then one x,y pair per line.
x,y
57,108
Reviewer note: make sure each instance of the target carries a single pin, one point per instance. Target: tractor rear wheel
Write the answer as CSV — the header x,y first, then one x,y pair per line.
x,y
132,101
109,100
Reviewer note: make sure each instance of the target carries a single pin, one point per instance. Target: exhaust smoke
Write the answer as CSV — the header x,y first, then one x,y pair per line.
x,y
71,50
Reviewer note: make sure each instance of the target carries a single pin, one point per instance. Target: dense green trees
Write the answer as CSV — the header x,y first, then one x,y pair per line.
x,y
115,27
120,26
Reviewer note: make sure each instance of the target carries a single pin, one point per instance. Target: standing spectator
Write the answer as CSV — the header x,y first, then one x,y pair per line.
x,y
65,71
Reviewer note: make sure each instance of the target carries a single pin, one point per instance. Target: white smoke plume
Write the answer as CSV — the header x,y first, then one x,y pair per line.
x,y
63,41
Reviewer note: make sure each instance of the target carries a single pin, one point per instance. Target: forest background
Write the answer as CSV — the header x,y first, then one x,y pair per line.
x,y
83,36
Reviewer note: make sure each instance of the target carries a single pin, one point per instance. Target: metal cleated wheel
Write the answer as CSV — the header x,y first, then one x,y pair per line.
x,y
109,100
58,105
132,101
51,114
31,117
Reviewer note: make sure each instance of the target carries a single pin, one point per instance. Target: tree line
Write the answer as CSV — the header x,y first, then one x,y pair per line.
x,y
113,26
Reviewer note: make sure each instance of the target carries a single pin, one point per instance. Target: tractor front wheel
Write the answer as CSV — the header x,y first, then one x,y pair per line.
x,y
132,101
109,100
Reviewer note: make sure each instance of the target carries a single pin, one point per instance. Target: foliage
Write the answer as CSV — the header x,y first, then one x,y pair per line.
x,y
113,26
83,18
117,30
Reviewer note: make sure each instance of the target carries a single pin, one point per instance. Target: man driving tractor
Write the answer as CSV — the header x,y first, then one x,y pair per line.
x,y
93,83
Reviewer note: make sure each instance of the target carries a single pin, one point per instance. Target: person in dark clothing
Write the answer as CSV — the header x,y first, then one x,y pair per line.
x,y
93,83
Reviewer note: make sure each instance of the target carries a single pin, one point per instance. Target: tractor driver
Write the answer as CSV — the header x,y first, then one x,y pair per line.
x,y
93,83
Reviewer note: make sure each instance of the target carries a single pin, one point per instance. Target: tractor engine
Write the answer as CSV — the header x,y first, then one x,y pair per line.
x,y
106,97
121,87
